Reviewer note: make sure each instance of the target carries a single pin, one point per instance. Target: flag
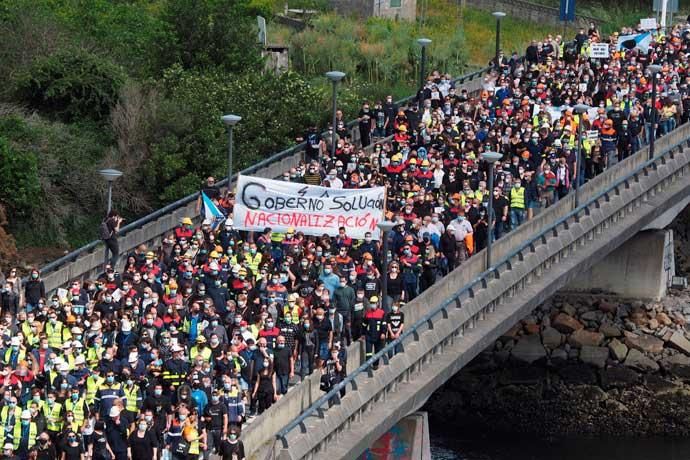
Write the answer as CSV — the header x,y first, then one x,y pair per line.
x,y
641,41
210,214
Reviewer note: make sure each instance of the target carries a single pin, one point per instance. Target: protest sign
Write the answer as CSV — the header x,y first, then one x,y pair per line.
x,y
599,51
311,209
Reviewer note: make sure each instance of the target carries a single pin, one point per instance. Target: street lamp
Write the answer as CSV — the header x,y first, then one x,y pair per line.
x,y
230,121
491,158
498,15
385,226
423,42
654,69
110,175
334,76
580,109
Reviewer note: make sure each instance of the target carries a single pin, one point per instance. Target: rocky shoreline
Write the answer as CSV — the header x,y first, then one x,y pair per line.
x,y
580,366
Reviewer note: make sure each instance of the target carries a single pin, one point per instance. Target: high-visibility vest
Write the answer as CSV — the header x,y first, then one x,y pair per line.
x,y
206,353
21,356
77,408
54,334
132,396
17,435
93,356
5,413
93,382
253,262
517,198
31,339
53,416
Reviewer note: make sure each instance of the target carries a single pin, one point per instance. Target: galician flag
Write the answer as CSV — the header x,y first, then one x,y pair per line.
x,y
210,214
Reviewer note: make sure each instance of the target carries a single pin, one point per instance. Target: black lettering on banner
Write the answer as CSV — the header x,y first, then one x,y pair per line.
x,y
249,200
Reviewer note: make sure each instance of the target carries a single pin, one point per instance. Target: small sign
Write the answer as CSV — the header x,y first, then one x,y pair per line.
x,y
262,30
648,24
567,10
599,51
592,135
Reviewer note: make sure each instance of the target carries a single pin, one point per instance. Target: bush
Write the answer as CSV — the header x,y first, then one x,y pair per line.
x,y
19,189
71,85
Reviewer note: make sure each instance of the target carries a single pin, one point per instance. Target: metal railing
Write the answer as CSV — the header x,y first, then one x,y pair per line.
x,y
172,207
469,290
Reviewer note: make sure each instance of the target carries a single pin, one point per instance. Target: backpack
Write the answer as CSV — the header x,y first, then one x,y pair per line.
x,y
104,232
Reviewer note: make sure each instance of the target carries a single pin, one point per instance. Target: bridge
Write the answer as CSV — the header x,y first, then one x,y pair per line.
x,y
460,316
474,305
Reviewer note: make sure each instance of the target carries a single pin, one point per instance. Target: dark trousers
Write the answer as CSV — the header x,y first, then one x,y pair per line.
x,y
372,347
114,248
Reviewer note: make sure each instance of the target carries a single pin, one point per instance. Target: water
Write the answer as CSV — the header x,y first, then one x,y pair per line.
x,y
456,447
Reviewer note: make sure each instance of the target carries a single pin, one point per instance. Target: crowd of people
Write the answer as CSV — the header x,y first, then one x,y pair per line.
x,y
172,350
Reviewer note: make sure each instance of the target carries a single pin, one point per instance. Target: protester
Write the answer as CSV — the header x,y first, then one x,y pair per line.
x,y
173,351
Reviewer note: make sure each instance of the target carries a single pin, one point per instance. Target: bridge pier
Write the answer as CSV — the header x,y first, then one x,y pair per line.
x,y
641,268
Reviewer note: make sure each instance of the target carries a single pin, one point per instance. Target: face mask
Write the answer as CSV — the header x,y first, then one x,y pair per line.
x,y
306,325
281,345
183,417
215,399
157,392
110,379
142,426
70,420
75,396
326,271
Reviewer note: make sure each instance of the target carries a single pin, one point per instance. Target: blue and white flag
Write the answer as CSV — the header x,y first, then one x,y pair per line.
x,y
210,214
641,41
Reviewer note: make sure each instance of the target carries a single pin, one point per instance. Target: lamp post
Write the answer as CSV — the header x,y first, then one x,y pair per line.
x,y
491,158
334,76
230,121
385,226
654,69
498,15
110,175
580,109
423,42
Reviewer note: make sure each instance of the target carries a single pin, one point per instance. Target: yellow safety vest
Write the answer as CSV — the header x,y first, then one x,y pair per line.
x,y
20,357
131,395
77,408
206,353
52,415
92,385
253,262
93,356
17,435
5,413
31,339
517,198
55,335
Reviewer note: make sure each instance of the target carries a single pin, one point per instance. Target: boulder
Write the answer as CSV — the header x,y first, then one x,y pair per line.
x,y
653,324
551,338
532,328
595,316
528,349
644,343
582,338
679,342
608,307
596,356
618,350
568,309
559,354
664,319
610,330
639,318
511,333
638,361
566,323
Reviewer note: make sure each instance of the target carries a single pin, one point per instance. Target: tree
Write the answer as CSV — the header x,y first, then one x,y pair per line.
x,y
210,33
71,84
20,188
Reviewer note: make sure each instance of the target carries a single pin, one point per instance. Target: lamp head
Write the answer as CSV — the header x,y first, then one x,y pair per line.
x,y
230,120
110,174
424,42
654,69
498,15
386,225
581,108
335,76
491,157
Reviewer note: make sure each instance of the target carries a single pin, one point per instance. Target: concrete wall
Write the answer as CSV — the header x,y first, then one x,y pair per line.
x,y
407,440
528,11
380,8
638,269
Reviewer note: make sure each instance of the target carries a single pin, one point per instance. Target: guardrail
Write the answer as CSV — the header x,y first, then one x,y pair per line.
x,y
84,262
622,176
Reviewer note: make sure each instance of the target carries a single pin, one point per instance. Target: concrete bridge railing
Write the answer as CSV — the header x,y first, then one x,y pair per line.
x,y
87,261
450,325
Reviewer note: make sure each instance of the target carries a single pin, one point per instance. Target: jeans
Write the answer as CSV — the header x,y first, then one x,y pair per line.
x,y
282,382
517,217
323,350
114,248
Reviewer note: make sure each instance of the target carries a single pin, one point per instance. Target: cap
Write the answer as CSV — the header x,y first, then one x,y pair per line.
x,y
67,344
201,339
76,330
187,221
374,299
26,414
367,256
79,360
126,326
413,161
16,341
291,230
63,367
150,255
214,255
114,411
8,446
176,349
402,128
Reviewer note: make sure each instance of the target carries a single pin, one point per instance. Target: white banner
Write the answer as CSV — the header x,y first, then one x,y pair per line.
x,y
599,51
648,24
310,209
